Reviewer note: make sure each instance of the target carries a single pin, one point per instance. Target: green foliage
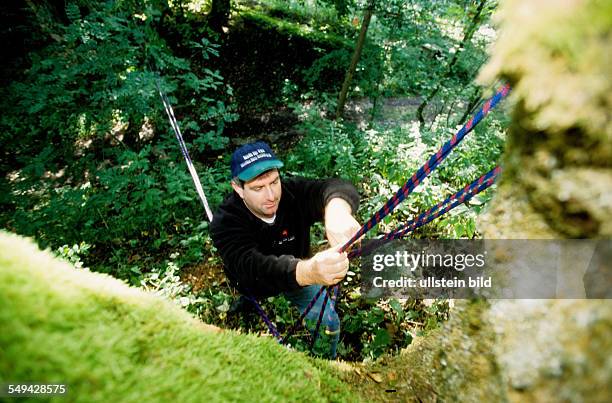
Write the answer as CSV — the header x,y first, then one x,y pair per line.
x,y
72,254
321,18
327,71
387,326
167,284
94,160
330,149
145,203
289,28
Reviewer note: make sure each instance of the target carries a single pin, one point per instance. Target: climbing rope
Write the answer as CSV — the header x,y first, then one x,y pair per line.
x,y
456,199
418,177
183,147
441,208
427,168
265,318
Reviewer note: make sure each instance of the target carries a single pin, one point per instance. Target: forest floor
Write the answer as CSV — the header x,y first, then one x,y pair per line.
x,y
204,275
389,111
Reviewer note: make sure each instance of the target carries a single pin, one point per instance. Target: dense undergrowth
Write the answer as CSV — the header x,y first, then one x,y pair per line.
x,y
91,170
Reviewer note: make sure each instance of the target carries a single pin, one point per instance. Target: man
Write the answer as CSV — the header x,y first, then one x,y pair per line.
x,y
262,232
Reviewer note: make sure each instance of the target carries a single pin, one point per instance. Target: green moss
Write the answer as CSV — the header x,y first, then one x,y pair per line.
x,y
111,342
290,28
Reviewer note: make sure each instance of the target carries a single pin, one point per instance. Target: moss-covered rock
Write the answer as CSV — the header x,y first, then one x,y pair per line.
x,y
453,363
557,56
505,351
553,350
557,183
109,342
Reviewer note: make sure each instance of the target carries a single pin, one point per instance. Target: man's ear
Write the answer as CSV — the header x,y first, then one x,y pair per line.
x,y
238,190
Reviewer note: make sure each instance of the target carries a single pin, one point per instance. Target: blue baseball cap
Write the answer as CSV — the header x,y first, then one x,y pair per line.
x,y
253,159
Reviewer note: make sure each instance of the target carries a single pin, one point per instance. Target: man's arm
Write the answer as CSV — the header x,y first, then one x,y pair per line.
x,y
330,266
339,200
340,225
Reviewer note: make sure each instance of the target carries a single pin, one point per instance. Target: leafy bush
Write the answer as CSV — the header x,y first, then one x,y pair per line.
x,y
94,160
73,254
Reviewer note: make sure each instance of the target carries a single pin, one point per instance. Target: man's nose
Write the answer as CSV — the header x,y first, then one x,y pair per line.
x,y
270,192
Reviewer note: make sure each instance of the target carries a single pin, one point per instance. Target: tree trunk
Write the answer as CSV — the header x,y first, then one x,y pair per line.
x,y
356,55
467,37
219,14
471,107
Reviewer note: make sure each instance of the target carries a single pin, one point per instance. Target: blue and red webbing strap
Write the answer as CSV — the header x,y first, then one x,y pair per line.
x,y
461,196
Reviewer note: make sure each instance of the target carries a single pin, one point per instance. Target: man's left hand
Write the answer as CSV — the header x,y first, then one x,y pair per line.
x,y
340,225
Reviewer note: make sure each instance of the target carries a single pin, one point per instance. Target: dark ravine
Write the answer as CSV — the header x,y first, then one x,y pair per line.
x,y
260,57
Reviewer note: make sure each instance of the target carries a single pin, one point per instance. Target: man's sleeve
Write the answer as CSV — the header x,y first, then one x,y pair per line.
x,y
248,269
315,194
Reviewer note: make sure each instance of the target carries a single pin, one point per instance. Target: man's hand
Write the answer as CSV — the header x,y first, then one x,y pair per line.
x,y
325,268
340,225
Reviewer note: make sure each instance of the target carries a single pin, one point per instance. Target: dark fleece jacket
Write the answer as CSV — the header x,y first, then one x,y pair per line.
x,y
259,258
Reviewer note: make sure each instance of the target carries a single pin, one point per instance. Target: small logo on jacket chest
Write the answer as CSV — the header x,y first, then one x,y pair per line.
x,y
285,237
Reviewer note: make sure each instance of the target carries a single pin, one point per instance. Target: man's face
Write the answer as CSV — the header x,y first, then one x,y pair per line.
x,y
262,194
